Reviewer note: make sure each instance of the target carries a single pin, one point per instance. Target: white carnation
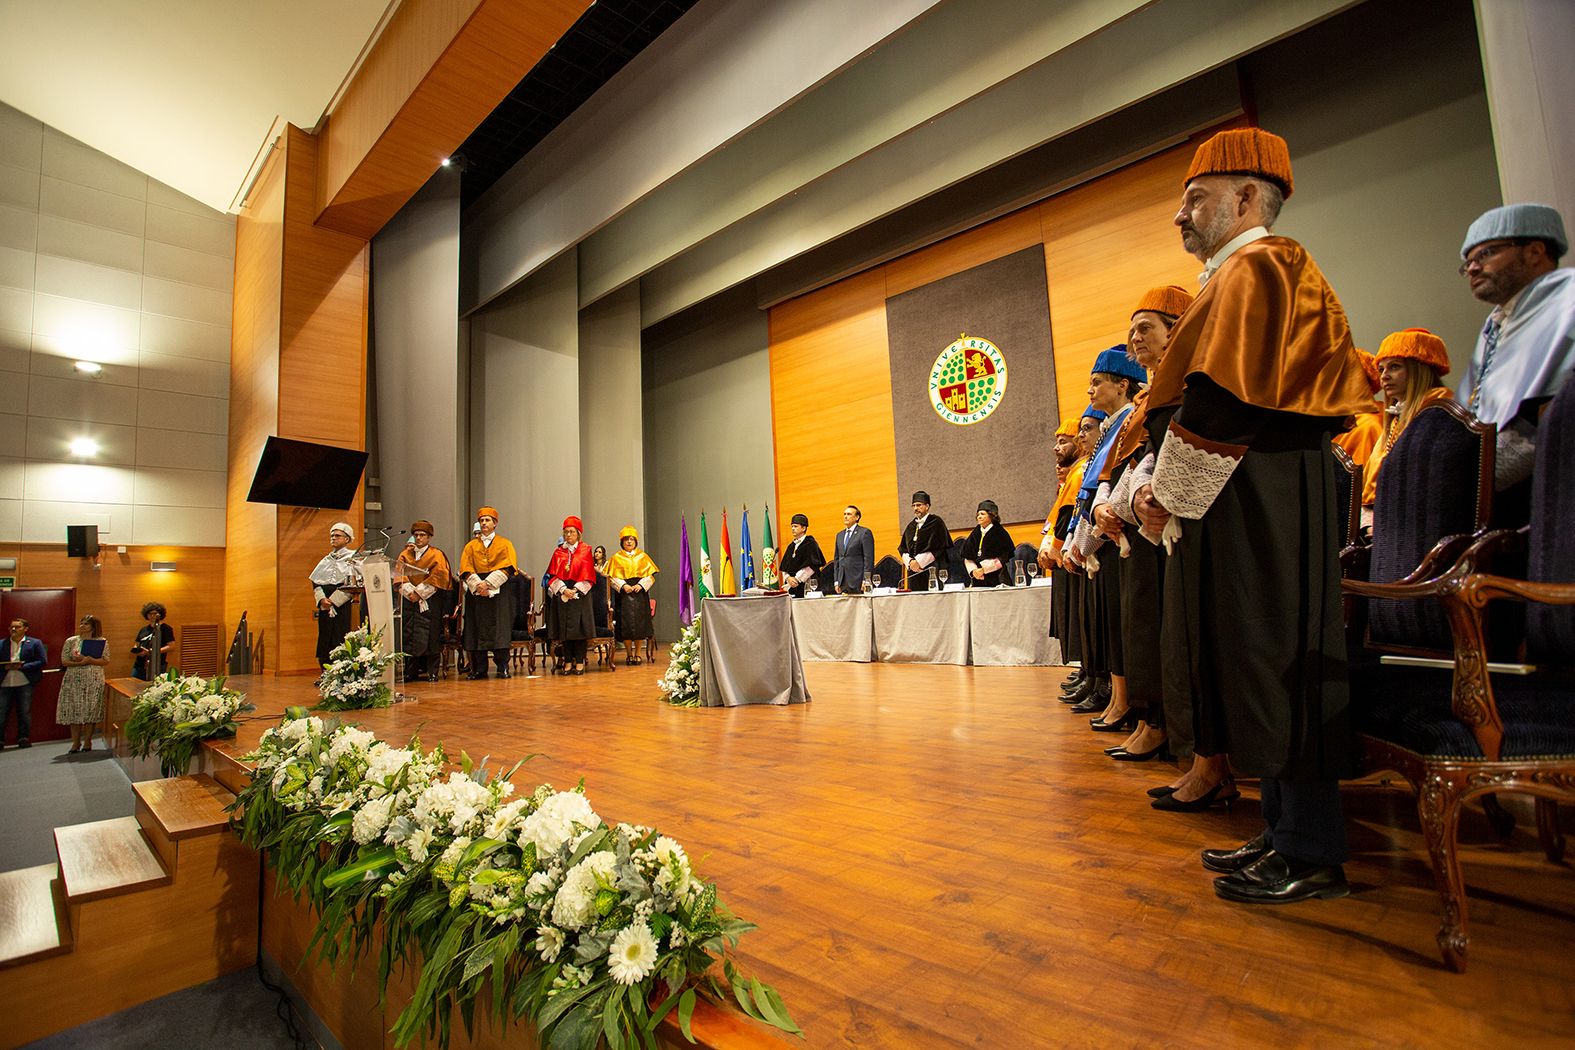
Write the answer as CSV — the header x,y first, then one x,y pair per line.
x,y
575,903
553,822
371,819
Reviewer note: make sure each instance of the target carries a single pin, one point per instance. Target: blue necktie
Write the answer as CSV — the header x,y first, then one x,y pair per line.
x,y
1489,344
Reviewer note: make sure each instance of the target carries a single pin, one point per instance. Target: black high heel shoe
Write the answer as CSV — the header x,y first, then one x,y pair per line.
x,y
1222,793
1123,755
1125,724
1161,792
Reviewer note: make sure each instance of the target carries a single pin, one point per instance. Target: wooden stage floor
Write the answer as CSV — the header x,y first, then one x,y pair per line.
x,y
942,857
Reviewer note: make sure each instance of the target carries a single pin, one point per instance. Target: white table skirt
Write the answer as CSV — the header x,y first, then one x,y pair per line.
x,y
1010,626
836,627
748,654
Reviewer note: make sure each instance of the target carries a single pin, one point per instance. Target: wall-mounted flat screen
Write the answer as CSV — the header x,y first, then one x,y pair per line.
x,y
305,474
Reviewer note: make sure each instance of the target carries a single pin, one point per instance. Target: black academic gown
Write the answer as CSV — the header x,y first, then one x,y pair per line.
x,y
1254,638
981,546
806,555
931,538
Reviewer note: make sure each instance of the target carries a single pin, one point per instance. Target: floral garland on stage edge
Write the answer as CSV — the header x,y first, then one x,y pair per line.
x,y
353,678
591,931
681,682
174,715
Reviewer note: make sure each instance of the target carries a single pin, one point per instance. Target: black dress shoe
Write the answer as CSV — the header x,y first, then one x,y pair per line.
x,y
1229,861
1125,724
476,676
1224,793
1084,689
1093,703
1161,750
1161,792
1277,879
503,672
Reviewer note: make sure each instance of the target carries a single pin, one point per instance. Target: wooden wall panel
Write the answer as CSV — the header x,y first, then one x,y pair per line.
x,y
831,409
251,529
116,590
434,74
1106,242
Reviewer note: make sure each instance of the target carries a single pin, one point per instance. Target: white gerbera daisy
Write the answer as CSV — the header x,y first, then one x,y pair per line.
x,y
633,954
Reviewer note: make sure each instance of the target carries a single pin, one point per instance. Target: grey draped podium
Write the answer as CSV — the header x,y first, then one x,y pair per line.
x,y
1006,626
925,627
837,627
749,653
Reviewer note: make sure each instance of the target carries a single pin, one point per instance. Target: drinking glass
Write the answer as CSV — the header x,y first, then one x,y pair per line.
x,y
875,579
1033,570
942,573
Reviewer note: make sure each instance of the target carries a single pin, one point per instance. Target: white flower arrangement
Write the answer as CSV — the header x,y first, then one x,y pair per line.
x,y
573,923
353,678
174,715
681,682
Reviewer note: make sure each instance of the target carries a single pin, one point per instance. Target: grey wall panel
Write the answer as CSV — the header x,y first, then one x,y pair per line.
x,y
612,464
959,50
525,410
708,441
416,364
725,66
1382,202
1178,39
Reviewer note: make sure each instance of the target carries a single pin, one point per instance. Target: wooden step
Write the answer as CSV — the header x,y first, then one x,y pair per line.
x,y
33,923
106,857
183,807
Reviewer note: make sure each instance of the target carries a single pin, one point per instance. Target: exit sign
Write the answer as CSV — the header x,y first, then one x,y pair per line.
x,y
7,583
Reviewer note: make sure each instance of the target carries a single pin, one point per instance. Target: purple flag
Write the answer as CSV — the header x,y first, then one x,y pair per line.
x,y
686,578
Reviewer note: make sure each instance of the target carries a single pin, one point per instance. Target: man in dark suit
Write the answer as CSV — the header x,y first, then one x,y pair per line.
x,y
855,553
924,542
22,662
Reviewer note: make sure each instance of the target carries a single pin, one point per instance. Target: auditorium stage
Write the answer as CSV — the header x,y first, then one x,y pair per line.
x,y
940,856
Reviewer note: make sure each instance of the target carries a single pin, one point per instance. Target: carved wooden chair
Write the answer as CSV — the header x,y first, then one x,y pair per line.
x,y
1482,733
454,633
603,644
524,645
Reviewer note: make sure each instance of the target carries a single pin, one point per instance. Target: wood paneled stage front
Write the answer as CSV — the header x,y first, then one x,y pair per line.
x,y
940,856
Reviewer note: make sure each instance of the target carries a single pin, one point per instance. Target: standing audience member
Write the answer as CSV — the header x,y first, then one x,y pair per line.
x,y
854,553
570,575
1411,369
1258,373
925,541
22,659
599,558
81,704
424,596
153,644
801,557
631,574
485,566
1527,348
331,580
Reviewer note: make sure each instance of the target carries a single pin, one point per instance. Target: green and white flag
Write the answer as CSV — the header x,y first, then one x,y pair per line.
x,y
707,581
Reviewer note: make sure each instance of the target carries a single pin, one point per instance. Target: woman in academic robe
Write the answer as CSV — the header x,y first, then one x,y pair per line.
x,y
484,567
423,592
1141,567
631,574
570,574
988,548
334,580
1411,369
801,557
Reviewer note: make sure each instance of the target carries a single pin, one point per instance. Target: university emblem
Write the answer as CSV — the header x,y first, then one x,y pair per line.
x,y
968,380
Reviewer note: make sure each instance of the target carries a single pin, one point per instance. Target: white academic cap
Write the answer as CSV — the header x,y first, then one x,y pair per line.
x,y
344,527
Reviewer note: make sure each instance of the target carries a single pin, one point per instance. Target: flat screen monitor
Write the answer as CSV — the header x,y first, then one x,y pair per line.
x,y
305,474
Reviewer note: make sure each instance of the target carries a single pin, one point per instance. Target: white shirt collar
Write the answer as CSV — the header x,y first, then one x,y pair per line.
x,y
420,551
487,538
918,522
798,541
986,528
1215,261
1502,311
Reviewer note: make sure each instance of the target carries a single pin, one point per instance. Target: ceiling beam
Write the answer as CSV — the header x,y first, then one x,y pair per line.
x,y
434,74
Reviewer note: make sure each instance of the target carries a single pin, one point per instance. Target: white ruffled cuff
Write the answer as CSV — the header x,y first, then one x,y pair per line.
x,y
1191,472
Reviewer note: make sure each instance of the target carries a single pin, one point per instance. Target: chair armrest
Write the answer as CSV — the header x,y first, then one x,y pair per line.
x,y
1488,588
1492,546
1441,558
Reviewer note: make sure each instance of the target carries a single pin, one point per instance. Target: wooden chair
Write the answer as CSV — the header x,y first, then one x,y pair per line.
x,y
1479,734
601,607
524,644
454,633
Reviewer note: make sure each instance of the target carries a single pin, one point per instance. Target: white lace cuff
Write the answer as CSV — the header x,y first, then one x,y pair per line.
x,y
1192,471
317,593
340,597
1121,497
1513,458
497,578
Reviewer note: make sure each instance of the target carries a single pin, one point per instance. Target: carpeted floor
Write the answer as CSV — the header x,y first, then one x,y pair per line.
x,y
44,787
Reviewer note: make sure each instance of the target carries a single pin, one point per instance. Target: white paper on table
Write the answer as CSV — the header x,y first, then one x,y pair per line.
x,y
1042,581
955,587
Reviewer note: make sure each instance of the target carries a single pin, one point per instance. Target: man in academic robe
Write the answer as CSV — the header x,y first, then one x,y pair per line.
x,y
1258,374
801,558
1527,348
1067,610
485,566
423,590
925,541
854,553
331,581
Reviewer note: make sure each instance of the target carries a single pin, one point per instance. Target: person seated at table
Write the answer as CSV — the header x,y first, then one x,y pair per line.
x,y
988,548
801,558
854,554
924,542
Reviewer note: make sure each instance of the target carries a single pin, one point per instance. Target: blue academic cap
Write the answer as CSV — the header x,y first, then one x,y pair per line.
x,y
1116,362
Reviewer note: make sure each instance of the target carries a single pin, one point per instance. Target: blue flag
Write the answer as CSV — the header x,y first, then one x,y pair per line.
x,y
746,559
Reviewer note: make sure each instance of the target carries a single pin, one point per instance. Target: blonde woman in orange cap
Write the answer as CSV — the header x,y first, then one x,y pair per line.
x,y
1412,365
485,565
631,573
423,592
